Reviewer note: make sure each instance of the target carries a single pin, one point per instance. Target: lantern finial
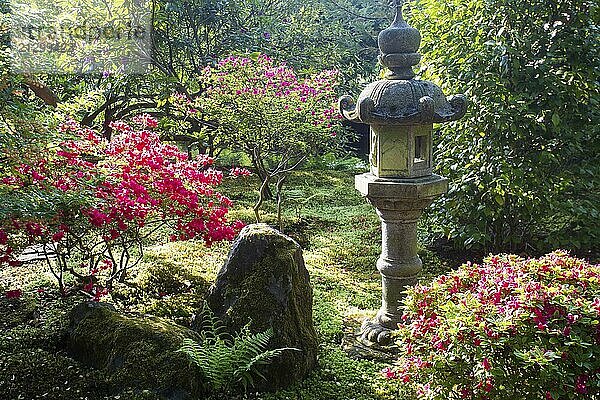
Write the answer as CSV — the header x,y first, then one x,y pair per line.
x,y
398,46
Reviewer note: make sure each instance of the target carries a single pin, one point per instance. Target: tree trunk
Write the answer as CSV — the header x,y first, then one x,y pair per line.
x,y
280,182
261,197
264,176
106,129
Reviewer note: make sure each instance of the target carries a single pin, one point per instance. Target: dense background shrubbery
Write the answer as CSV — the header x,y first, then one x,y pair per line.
x,y
524,163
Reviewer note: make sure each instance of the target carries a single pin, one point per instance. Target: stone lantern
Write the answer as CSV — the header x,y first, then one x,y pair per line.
x,y
400,111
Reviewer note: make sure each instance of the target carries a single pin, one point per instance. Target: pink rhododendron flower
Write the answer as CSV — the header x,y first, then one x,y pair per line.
x,y
145,121
544,310
57,237
486,364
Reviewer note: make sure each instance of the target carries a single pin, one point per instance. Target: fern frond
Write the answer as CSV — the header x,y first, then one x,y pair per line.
x,y
226,360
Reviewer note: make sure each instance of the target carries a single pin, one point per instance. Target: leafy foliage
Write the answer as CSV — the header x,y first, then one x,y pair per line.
x,y
191,34
25,124
311,35
524,163
227,360
508,328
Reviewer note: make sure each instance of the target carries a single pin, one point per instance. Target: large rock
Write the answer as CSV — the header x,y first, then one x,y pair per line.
x,y
264,282
136,353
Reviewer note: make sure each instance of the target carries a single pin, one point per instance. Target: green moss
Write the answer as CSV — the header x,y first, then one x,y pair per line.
x,y
41,374
339,377
327,318
135,352
177,267
16,311
180,308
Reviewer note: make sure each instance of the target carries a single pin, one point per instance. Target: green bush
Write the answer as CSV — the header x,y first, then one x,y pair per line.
x,y
510,328
162,277
524,162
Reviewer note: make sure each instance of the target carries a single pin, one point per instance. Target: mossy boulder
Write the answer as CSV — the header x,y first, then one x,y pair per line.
x,y
135,352
264,282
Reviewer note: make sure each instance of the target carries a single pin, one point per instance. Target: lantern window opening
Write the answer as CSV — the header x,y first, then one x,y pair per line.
x,y
419,148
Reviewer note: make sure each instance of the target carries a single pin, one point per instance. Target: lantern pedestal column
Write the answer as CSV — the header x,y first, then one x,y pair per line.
x,y
399,204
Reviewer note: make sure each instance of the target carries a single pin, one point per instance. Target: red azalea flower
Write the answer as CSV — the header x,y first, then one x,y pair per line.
x,y
388,373
88,287
58,236
486,364
581,384
14,294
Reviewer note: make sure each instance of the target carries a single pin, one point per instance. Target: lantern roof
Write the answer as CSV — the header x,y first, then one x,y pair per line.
x,y
399,99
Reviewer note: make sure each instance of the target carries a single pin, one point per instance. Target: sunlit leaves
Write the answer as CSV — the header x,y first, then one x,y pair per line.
x,y
525,157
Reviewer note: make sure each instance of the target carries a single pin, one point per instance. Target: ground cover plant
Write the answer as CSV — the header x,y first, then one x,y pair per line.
x,y
229,360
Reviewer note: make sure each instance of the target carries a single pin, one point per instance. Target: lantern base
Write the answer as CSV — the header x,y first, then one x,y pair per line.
x,y
399,204
374,331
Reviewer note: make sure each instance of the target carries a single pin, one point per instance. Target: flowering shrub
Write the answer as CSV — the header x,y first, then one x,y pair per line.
x,y
103,199
254,106
237,172
511,328
13,294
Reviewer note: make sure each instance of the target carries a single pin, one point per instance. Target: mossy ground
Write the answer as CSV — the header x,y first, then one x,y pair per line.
x,y
340,233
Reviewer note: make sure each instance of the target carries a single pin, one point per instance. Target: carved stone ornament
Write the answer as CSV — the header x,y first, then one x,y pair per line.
x,y
402,102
